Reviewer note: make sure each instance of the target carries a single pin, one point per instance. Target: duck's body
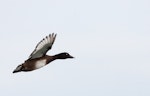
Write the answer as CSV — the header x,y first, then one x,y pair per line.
x,y
38,57
37,63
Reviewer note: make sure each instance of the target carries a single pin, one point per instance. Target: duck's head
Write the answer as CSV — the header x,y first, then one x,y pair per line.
x,y
63,55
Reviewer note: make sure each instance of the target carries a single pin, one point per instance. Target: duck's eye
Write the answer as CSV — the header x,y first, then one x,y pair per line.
x,y
67,54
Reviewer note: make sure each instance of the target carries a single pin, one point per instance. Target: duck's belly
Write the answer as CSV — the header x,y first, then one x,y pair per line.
x,y
40,63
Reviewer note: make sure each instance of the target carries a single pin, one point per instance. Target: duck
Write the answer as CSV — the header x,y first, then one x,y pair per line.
x,y
38,58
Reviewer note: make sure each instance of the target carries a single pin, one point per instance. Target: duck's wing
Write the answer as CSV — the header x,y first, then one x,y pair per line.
x,y
43,46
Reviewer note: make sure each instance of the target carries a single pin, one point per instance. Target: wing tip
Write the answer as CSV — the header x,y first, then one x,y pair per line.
x,y
53,34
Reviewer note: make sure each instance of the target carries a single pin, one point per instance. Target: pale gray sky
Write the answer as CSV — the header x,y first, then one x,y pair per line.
x,y
109,38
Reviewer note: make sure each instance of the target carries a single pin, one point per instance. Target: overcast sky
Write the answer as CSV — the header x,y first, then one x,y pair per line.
x,y
110,40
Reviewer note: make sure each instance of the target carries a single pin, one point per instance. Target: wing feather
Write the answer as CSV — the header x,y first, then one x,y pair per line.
x,y
43,46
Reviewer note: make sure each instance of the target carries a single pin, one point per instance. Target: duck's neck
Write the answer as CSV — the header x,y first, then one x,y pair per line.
x,y
50,59
56,56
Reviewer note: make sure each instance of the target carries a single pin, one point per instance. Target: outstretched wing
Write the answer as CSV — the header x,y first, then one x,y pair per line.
x,y
43,46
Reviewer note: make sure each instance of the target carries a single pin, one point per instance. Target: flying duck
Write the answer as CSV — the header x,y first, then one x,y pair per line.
x,y
38,57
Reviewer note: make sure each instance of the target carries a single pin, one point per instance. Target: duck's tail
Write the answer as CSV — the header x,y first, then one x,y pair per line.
x,y
18,69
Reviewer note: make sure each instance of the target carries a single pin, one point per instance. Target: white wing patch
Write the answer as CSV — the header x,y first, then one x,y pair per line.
x,y
43,46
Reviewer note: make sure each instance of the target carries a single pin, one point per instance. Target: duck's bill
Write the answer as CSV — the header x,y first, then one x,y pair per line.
x,y
71,56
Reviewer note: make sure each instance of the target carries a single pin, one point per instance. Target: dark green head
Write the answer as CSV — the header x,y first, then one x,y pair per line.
x,y
63,55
